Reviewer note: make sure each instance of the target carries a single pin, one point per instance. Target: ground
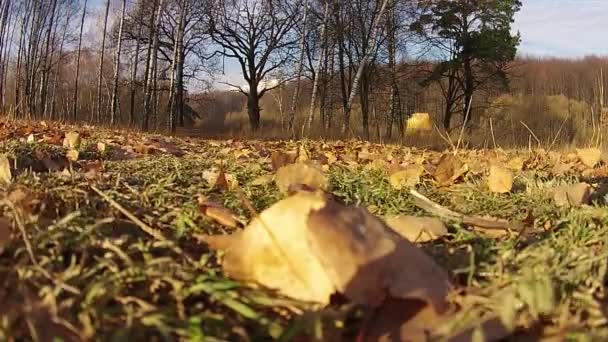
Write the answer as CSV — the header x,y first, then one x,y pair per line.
x,y
77,260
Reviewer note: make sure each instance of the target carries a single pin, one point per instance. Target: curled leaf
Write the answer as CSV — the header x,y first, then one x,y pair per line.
x,y
5,170
300,173
407,177
500,180
417,229
590,157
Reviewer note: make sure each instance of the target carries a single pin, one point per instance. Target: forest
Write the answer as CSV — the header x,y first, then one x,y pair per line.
x,y
302,68
303,171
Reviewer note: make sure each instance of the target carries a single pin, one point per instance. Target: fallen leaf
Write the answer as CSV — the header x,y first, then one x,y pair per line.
x,y
262,180
220,180
572,195
590,157
417,229
368,261
516,164
24,199
5,170
398,320
449,169
169,148
144,149
280,159
300,173
5,231
303,155
31,139
72,155
308,247
72,140
407,177
561,168
93,169
101,147
218,213
500,179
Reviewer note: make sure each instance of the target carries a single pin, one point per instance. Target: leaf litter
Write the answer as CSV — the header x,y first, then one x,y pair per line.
x,y
120,247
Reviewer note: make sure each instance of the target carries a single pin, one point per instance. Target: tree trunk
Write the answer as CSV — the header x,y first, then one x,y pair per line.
x,y
176,70
114,106
152,57
364,99
56,76
253,107
132,85
299,68
101,57
467,113
48,59
371,51
4,45
322,53
341,64
77,77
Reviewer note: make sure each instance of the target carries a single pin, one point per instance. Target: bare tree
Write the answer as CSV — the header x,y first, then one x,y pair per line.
x,y
114,104
299,69
258,35
77,76
323,51
101,58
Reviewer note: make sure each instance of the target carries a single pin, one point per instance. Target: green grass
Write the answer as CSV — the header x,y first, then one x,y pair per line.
x,y
131,286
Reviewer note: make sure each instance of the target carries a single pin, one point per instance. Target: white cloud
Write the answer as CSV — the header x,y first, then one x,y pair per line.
x,y
568,28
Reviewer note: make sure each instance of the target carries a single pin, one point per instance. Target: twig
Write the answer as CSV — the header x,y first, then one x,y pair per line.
x,y
531,132
464,125
30,252
424,203
559,132
141,224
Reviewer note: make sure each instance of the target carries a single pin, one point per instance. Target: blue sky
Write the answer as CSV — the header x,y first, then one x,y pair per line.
x,y
565,28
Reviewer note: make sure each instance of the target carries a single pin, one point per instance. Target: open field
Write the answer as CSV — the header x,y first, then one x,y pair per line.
x,y
103,239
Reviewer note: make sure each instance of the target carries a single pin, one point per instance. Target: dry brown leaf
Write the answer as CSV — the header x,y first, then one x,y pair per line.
x,y
31,139
572,195
72,140
5,170
308,247
101,147
604,157
417,229
220,180
280,159
561,168
144,149
377,165
300,173
500,179
170,148
516,164
5,231
449,169
93,169
262,180
398,320
406,177
590,157
72,155
368,261
218,213
303,155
